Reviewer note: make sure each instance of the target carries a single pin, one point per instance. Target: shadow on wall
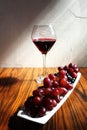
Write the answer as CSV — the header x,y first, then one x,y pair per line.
x,y
15,17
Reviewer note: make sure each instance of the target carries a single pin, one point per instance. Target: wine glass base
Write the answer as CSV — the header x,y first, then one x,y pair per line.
x,y
39,80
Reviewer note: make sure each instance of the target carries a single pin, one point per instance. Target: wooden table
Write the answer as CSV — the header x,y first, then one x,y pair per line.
x,y
16,84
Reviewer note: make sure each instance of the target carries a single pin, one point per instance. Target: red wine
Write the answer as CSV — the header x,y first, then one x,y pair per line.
x,y
44,44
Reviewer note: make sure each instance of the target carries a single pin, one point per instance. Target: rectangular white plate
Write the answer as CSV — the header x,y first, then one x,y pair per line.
x,y
44,119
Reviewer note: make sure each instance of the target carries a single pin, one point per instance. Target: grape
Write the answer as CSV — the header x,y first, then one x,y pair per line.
x,y
41,111
62,91
60,68
38,92
69,86
51,76
41,92
54,102
69,77
29,102
41,88
62,76
63,82
37,100
66,67
74,74
74,66
49,107
71,70
55,92
48,104
47,82
62,72
76,70
71,65
55,84
46,101
73,80
47,91
34,111
57,98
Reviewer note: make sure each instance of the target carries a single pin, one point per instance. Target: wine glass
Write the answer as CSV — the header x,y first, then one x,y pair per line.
x,y
43,37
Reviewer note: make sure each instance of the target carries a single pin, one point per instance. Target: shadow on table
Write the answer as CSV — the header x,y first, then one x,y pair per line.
x,y
17,123
7,81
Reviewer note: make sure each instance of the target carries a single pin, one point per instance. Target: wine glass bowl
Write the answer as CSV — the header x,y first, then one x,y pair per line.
x,y
43,37
44,44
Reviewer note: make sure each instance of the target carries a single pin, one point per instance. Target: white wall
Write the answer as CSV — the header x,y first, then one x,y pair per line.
x,y
17,17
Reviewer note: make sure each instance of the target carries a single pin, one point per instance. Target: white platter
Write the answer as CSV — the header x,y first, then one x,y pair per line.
x,y
44,119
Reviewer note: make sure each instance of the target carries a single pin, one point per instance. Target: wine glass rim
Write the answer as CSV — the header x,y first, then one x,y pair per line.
x,y
43,25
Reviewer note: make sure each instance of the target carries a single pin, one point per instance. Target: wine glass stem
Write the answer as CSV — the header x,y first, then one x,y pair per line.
x,y
44,64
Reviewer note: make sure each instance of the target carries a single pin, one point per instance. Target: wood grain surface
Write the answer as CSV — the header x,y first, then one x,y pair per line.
x,y
16,84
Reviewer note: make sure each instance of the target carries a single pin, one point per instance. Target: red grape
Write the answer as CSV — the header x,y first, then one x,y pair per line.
x,y
74,74
55,84
37,100
71,70
57,98
63,82
47,91
34,111
65,67
29,102
36,92
60,68
47,101
69,86
71,65
51,76
47,82
55,92
49,107
62,91
76,70
54,102
41,111
62,72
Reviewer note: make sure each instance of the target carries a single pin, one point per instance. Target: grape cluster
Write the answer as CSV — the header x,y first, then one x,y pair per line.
x,y
55,86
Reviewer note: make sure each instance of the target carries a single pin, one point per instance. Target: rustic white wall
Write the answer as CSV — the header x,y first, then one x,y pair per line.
x,y
17,17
